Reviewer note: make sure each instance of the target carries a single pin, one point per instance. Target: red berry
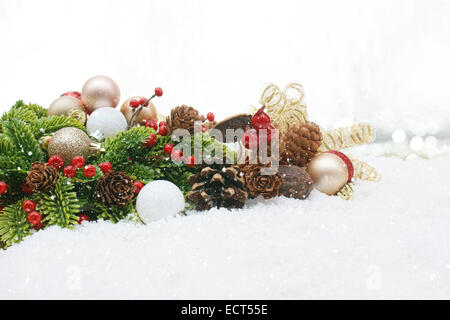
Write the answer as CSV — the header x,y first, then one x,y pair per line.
x,y
250,139
190,161
211,117
90,171
27,189
177,155
168,148
106,167
163,124
1,210
152,124
138,185
159,92
163,131
261,120
143,101
151,141
29,206
134,103
70,171
38,226
56,161
34,217
83,218
3,187
78,162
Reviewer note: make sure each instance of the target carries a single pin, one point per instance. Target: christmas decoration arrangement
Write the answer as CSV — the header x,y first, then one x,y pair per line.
x,y
82,159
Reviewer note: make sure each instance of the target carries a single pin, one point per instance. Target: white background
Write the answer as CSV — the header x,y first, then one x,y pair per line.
x,y
386,62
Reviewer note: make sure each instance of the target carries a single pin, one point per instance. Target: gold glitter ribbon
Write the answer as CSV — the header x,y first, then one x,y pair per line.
x,y
285,107
348,137
346,193
364,171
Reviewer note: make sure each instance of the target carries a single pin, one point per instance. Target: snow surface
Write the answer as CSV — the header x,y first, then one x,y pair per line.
x,y
392,241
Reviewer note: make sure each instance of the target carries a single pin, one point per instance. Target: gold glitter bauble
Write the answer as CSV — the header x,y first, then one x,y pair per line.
x,y
147,113
69,143
99,92
63,105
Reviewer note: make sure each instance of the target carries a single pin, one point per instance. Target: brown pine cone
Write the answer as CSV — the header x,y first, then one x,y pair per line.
x,y
297,183
299,144
42,177
260,184
217,188
115,189
183,117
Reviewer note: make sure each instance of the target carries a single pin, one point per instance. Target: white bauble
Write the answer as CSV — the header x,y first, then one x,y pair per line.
x,y
105,123
159,200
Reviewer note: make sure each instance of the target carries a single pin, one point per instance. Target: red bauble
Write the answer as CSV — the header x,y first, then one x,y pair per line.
x,y
168,148
151,141
177,155
163,130
82,218
56,161
261,120
250,139
34,218
152,124
90,171
29,206
106,167
78,162
3,187
138,185
74,94
190,161
211,117
159,92
70,171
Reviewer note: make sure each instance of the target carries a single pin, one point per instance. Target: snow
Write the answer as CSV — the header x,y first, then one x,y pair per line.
x,y
391,242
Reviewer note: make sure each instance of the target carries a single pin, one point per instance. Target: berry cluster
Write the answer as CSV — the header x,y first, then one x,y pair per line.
x,y
78,163
178,155
260,122
160,128
34,217
209,117
145,102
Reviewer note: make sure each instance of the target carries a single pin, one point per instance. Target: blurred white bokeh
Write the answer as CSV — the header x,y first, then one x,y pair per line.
x,y
385,62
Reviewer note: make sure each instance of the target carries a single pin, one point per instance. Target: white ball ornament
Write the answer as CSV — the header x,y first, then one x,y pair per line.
x,y
105,123
159,200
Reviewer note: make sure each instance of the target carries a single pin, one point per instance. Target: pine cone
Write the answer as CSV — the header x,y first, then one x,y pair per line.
x,y
42,177
217,188
260,184
115,189
299,144
183,117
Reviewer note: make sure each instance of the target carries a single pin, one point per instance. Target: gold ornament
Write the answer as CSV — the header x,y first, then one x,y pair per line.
x,y
69,143
363,171
63,106
79,115
346,193
329,173
99,92
146,113
348,137
286,107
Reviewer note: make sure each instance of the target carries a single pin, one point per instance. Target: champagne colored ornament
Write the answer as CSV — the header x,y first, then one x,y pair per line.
x,y
69,143
286,107
330,171
348,137
147,113
64,105
99,92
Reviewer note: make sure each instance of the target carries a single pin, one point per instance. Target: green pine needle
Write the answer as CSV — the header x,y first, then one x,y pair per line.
x,y
14,226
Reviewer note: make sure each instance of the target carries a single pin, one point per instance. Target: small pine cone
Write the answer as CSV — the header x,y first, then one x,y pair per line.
x,y
183,117
216,188
115,189
42,177
299,144
258,183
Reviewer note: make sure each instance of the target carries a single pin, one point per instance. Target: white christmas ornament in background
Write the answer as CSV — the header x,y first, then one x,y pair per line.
x,y
105,123
159,200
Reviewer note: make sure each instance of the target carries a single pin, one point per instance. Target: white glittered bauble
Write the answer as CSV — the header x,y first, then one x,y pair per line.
x,y
159,200
105,123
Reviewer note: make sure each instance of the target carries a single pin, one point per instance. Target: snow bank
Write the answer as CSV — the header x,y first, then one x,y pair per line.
x,y
392,241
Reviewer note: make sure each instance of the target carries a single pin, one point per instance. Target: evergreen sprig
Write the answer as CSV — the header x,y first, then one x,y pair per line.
x,y
14,226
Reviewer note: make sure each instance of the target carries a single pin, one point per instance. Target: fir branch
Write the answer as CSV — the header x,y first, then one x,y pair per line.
x,y
39,111
140,172
115,215
14,226
22,114
60,206
49,125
